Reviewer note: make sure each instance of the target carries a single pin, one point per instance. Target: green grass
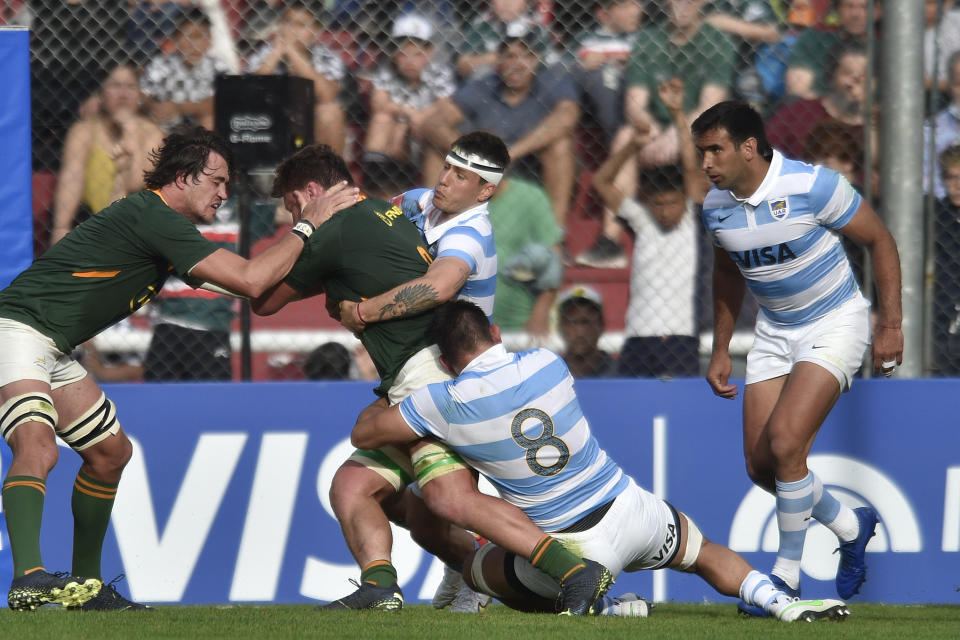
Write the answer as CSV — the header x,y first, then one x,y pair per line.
x,y
420,622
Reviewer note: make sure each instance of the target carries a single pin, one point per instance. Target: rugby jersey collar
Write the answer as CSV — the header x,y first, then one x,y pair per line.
x,y
760,195
434,233
495,356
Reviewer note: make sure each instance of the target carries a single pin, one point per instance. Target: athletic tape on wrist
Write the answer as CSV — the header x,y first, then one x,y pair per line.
x,y
303,230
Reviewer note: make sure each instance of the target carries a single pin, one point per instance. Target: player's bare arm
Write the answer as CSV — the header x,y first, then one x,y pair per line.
x,y
379,425
867,229
441,282
251,278
728,291
274,299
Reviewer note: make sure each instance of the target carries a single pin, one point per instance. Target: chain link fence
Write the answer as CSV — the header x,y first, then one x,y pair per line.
x,y
566,84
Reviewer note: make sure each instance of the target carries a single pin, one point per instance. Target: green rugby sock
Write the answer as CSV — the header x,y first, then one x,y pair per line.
x,y
92,503
380,573
551,557
23,508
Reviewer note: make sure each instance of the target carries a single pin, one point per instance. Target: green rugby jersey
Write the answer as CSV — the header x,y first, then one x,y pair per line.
x,y
104,270
359,253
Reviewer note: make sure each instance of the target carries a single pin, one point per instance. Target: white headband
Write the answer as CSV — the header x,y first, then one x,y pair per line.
x,y
476,164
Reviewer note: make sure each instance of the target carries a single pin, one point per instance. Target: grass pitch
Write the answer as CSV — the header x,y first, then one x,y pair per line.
x,y
421,622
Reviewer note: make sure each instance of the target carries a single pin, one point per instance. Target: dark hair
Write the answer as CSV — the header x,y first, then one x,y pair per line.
x,y
843,48
486,145
193,15
184,153
949,157
665,179
831,138
315,163
329,361
741,122
386,177
459,327
576,302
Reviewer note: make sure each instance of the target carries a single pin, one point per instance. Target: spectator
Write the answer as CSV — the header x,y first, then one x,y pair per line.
x,y
294,49
944,129
685,46
105,155
404,87
530,272
600,57
483,37
753,26
329,361
385,177
940,40
179,83
580,311
105,369
533,109
660,326
946,281
790,126
805,77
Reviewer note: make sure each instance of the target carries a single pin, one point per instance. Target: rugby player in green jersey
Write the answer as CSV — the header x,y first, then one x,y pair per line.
x,y
357,254
98,274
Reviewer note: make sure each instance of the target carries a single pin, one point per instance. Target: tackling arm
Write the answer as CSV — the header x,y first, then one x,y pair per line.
x,y
379,425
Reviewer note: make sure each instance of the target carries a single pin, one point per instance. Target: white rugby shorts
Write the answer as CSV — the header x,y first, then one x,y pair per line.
x,y
640,531
836,342
27,354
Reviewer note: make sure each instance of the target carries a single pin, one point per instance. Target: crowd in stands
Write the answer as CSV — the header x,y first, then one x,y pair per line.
x,y
602,89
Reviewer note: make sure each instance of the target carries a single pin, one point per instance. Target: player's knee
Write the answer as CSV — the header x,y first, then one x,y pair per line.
x,y
786,450
107,458
353,483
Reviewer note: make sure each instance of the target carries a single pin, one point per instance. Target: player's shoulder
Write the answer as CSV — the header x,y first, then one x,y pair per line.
x,y
718,199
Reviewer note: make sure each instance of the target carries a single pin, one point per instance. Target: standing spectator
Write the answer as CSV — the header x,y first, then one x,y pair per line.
x,y
789,127
805,77
105,155
180,83
533,109
600,58
946,280
404,88
944,128
526,236
294,49
580,311
660,326
483,37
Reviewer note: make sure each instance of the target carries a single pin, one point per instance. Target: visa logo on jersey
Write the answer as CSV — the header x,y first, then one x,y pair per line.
x,y
763,256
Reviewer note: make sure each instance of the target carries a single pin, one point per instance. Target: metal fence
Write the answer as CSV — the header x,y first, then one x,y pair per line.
x,y
566,84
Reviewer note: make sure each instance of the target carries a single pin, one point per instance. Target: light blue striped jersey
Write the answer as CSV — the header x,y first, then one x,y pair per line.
x,y
784,239
467,236
516,419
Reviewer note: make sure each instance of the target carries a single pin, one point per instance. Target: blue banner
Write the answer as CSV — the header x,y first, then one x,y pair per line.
x,y
16,215
225,499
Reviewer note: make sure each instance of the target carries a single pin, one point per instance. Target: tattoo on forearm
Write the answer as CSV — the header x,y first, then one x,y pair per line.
x,y
409,300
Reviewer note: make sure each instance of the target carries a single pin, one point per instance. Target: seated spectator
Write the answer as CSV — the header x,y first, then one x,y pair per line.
x,y
660,326
404,87
810,57
105,155
684,47
789,127
294,49
580,311
944,129
946,281
485,34
179,83
527,239
599,58
533,109
941,40
753,26
329,361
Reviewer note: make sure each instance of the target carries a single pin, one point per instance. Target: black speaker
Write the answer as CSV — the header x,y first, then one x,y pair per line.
x,y
265,118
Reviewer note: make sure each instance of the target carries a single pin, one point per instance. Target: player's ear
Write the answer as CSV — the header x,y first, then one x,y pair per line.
x,y
495,334
486,191
313,190
446,365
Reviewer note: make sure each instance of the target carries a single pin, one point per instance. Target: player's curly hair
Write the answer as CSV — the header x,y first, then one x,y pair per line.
x,y
314,163
184,153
